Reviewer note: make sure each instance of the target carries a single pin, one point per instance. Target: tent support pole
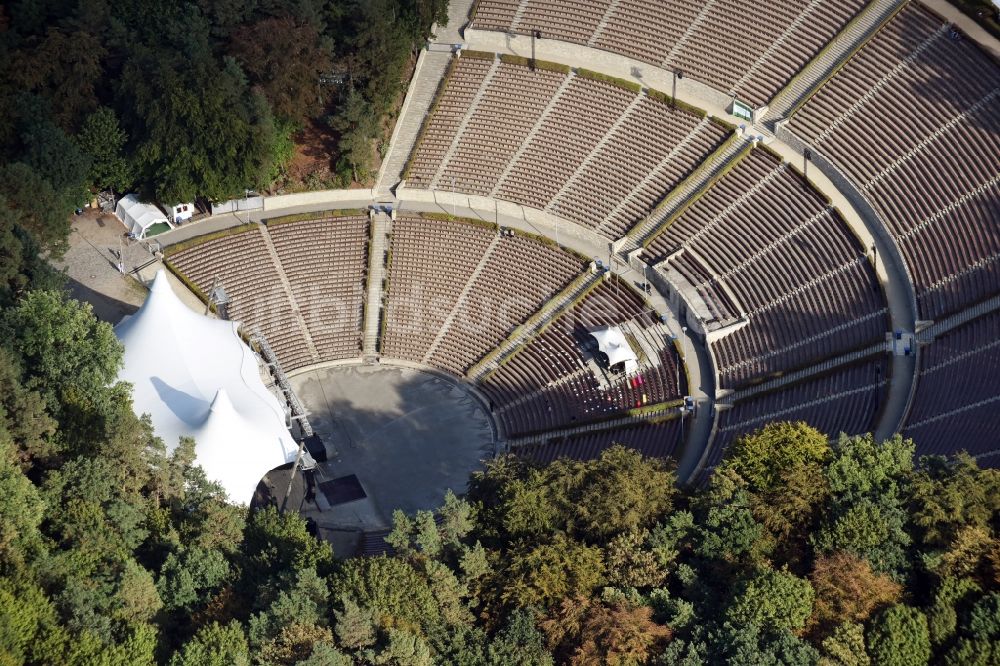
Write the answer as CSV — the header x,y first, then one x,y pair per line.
x,y
291,479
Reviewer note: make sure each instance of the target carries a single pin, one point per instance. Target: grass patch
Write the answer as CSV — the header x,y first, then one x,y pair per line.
x,y
171,250
613,80
539,64
195,289
683,106
315,217
652,409
445,217
479,55
701,191
719,122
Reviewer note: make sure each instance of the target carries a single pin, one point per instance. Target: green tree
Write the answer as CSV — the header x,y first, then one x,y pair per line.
x,y
65,351
845,647
544,574
949,495
275,544
773,599
899,637
200,129
190,579
215,645
622,491
21,514
285,59
356,123
867,514
942,615
519,643
103,141
66,68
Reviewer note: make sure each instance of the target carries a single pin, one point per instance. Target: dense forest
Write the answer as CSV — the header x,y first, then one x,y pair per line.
x,y
178,99
799,551
112,551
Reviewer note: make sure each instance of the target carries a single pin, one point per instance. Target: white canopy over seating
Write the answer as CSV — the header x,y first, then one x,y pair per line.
x,y
137,216
195,377
612,342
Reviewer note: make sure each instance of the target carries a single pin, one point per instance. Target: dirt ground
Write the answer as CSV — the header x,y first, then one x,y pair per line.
x,y
91,263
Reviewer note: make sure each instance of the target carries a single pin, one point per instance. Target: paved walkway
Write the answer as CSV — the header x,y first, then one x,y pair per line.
x,y
972,29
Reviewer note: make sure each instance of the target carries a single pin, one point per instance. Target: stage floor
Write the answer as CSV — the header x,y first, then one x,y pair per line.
x,y
408,435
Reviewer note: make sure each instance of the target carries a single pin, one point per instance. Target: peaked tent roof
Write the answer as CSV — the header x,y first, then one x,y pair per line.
x,y
195,377
612,342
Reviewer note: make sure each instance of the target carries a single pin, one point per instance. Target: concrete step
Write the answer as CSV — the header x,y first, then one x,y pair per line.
x,y
430,69
555,307
691,188
381,226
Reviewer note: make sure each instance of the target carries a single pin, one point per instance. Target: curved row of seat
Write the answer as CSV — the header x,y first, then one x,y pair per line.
x,y
763,242
913,121
590,151
656,440
957,402
750,51
551,383
846,400
463,289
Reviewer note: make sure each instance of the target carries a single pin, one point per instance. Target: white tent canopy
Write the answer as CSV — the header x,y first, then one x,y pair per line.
x,y
611,341
138,216
195,377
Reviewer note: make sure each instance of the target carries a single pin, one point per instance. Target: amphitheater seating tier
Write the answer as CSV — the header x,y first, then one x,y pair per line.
x,y
243,265
456,289
577,164
325,262
548,384
846,400
658,440
763,245
912,120
957,392
750,51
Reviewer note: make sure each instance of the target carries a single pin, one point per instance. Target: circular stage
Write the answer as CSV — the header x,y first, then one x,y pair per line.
x,y
406,435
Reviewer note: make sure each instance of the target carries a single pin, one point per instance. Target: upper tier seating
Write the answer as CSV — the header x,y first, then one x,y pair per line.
x,y
457,289
603,156
913,121
547,384
750,51
765,238
957,392
657,440
846,400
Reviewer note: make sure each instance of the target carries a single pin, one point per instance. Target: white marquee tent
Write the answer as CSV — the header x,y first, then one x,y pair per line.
x,y
612,342
194,376
138,216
